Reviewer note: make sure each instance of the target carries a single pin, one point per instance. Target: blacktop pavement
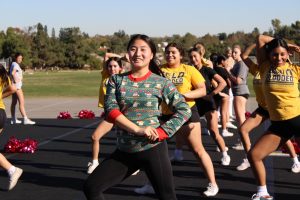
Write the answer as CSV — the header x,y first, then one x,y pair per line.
x,y
57,170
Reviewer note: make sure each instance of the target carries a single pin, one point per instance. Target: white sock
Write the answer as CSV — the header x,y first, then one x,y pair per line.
x,y
262,190
95,162
295,159
11,170
224,153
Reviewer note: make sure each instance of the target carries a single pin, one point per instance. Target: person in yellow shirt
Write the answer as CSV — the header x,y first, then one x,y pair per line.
x,y
260,115
280,81
7,89
112,66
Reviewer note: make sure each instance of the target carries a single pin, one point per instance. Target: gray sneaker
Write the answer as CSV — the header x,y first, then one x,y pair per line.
x,y
13,179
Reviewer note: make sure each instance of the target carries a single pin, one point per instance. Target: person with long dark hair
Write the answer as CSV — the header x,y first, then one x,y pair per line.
x,y
6,89
132,103
279,80
16,74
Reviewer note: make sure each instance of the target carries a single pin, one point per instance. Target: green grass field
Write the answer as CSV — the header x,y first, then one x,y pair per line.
x,y
62,84
68,84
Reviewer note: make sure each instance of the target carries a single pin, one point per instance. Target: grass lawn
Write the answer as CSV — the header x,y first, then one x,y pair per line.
x,y
62,84
68,84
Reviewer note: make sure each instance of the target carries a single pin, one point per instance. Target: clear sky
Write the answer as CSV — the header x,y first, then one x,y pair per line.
x,y
151,17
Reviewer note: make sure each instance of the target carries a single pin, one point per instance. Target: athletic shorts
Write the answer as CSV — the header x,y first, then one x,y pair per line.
x,y
2,118
246,96
263,112
286,128
194,118
205,106
18,85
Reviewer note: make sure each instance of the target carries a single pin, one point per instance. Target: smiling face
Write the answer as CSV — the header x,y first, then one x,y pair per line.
x,y
173,56
140,54
195,58
278,56
113,67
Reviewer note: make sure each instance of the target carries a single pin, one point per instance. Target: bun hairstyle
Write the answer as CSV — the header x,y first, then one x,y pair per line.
x,y
153,67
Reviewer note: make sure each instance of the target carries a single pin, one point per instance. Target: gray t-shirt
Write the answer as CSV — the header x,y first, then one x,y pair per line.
x,y
240,69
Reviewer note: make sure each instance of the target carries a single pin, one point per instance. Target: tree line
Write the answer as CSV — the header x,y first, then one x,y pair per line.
x,y
75,49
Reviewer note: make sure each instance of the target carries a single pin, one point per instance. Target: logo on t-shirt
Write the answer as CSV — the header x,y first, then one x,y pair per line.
x,y
279,76
176,78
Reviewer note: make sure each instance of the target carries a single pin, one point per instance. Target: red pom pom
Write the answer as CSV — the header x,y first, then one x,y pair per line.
x,y
86,114
17,146
64,115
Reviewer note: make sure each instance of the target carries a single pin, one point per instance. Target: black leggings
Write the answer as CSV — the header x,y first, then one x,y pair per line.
x,y
120,165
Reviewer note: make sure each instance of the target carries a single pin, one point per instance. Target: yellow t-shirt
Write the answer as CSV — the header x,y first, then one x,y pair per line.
x,y
280,86
257,86
102,89
184,77
2,106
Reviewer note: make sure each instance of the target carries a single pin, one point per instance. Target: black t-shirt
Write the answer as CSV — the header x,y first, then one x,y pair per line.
x,y
208,74
222,72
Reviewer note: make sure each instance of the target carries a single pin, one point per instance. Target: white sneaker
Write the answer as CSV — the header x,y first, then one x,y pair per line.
x,y
28,122
146,189
296,168
238,146
212,190
226,133
263,197
218,149
15,121
135,173
230,125
244,165
13,179
91,167
225,161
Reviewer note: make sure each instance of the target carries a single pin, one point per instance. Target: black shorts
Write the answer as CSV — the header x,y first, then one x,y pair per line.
x,y
218,100
205,106
2,118
263,112
286,128
194,118
246,96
